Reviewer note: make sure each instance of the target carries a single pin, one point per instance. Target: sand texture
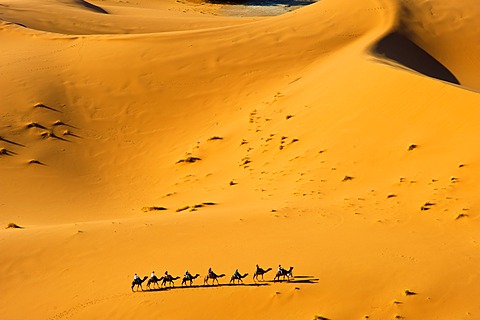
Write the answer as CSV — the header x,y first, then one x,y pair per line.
x,y
340,138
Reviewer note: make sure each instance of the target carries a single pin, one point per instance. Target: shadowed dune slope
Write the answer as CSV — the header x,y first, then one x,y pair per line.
x,y
448,32
398,48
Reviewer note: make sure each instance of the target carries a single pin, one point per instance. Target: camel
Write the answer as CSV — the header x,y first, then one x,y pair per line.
x,y
213,276
260,272
138,282
189,278
169,279
284,273
237,277
154,281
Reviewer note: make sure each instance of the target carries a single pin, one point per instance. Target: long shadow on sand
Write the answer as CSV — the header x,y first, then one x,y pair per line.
x,y
91,6
11,142
209,286
297,279
43,106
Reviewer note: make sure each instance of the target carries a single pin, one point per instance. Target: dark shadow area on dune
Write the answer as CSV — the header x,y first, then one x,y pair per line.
x,y
399,48
92,7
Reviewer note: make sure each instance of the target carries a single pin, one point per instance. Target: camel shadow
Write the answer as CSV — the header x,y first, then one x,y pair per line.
x,y
200,286
297,279
312,280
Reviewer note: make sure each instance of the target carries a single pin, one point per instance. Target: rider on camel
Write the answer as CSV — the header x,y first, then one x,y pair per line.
x,y
237,274
167,276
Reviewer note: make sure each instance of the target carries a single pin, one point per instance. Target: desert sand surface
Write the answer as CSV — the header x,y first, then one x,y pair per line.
x,y
340,138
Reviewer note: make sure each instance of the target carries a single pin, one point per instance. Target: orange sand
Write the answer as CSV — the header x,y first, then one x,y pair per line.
x,y
340,138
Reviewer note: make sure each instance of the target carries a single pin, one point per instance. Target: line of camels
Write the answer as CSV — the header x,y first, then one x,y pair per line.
x,y
188,278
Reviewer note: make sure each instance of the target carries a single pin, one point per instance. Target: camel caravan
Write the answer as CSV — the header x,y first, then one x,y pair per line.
x,y
167,280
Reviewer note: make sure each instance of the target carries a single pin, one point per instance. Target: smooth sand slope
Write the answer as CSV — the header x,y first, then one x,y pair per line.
x,y
339,138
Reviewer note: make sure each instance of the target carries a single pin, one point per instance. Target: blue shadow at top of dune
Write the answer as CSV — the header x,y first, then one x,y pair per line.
x,y
397,47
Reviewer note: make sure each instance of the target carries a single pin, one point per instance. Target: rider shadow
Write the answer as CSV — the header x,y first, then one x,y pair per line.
x,y
210,286
297,279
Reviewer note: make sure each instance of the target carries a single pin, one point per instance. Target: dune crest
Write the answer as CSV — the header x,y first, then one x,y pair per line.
x,y
448,31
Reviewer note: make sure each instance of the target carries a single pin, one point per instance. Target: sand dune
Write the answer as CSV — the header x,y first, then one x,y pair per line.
x,y
338,138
